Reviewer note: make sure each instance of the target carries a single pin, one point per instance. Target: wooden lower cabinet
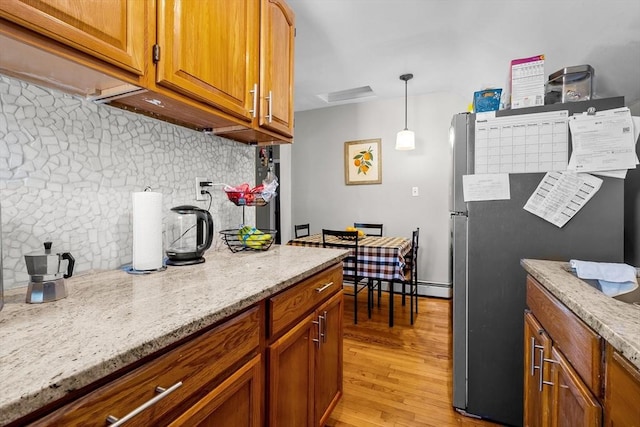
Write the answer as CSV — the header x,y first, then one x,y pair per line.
x,y
200,370
554,393
622,391
236,373
305,368
537,397
291,376
236,402
572,403
328,360
572,376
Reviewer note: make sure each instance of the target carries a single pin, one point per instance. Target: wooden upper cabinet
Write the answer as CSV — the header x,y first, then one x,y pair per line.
x,y
112,30
209,51
276,67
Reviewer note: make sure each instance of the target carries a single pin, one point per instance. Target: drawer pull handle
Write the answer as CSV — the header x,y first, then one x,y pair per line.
x,y
114,421
323,288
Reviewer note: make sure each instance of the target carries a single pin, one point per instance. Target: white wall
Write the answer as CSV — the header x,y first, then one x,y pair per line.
x,y
319,194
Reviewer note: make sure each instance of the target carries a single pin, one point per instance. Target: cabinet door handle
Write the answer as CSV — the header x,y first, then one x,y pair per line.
x,y
534,346
319,323
533,355
269,115
164,392
541,381
324,327
254,92
323,288
542,362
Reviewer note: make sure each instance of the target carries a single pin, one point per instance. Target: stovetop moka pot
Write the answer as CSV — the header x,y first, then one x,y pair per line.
x,y
46,279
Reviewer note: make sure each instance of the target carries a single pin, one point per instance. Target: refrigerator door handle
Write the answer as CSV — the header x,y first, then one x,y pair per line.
x,y
452,214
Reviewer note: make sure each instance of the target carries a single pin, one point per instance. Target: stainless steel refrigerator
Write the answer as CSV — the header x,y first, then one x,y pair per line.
x,y
489,239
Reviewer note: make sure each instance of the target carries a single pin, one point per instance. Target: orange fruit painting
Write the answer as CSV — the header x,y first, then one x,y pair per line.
x,y
363,160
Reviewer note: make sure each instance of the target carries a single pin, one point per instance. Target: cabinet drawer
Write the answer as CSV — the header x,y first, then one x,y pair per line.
x,y
297,301
580,344
196,364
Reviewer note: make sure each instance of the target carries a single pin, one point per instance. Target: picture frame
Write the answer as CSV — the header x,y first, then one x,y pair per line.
x,y
363,162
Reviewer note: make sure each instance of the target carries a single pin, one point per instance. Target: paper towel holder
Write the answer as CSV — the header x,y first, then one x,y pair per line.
x,y
147,236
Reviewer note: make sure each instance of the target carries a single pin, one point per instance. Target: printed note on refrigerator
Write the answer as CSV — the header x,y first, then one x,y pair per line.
x,y
616,173
603,141
486,187
560,195
522,143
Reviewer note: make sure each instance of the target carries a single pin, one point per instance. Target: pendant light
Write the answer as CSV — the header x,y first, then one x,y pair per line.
x,y
406,139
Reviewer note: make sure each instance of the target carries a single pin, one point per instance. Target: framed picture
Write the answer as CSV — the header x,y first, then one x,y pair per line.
x,y
363,162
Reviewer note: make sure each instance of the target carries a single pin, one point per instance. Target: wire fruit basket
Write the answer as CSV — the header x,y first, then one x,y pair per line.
x,y
248,239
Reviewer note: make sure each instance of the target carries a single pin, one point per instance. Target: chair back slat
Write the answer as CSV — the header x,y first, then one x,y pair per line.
x,y
369,228
412,256
343,240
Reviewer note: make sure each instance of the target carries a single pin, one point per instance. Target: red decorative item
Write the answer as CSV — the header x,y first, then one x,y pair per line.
x,y
243,195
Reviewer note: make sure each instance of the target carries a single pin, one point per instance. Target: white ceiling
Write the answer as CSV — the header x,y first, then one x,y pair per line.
x,y
459,46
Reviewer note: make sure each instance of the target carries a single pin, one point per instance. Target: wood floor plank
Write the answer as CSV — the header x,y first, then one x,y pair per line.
x,y
400,376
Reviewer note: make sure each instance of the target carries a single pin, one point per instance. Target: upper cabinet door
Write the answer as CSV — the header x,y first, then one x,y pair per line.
x,y
276,67
111,30
209,51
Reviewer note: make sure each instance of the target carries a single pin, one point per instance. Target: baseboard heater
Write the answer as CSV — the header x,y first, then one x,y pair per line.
x,y
427,289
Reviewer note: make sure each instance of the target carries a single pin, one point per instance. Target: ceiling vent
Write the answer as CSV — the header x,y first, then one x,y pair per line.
x,y
348,94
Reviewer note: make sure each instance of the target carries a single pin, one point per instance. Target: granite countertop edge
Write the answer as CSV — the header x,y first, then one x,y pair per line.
x,y
32,397
617,322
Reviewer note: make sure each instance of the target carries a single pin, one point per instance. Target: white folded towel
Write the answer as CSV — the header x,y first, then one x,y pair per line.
x,y
614,278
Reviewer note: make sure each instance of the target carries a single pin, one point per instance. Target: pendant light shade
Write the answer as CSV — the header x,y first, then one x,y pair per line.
x,y
406,139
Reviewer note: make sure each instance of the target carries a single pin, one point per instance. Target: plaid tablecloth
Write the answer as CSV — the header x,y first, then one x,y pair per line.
x,y
379,257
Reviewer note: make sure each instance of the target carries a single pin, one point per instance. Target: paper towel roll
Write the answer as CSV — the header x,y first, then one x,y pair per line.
x,y
147,231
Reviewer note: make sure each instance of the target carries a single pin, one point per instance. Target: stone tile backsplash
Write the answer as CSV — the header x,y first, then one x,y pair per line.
x,y
68,167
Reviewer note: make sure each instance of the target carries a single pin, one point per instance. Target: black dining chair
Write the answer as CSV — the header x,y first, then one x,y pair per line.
x,y
411,273
369,229
301,230
349,240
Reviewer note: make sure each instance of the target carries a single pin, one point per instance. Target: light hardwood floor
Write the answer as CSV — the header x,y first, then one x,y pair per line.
x,y
400,376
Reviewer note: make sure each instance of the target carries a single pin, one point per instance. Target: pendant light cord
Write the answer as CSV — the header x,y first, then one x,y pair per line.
x,y
405,105
405,78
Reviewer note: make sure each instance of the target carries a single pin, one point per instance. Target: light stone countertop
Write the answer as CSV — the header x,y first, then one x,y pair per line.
x,y
111,319
617,322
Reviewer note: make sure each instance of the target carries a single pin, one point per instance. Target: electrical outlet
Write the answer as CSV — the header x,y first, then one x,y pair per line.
x,y
414,191
199,188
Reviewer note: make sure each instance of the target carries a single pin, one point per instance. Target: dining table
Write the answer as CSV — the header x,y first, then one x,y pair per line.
x,y
379,258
